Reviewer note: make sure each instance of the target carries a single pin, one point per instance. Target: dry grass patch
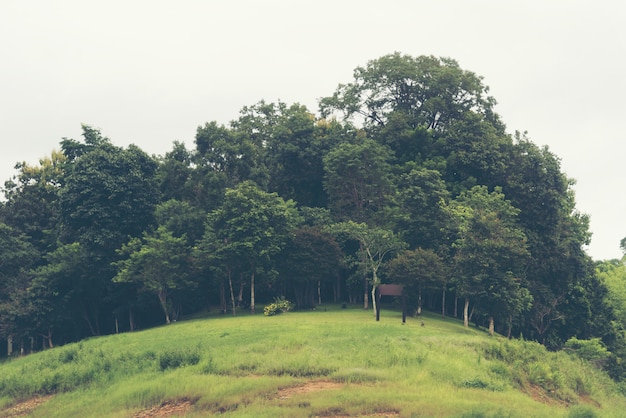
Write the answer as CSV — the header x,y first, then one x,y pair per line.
x,y
24,408
312,386
167,409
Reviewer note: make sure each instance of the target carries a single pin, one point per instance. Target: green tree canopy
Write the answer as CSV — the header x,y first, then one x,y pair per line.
x,y
490,252
253,226
159,263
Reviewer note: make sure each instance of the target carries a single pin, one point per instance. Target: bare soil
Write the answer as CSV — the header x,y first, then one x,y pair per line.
x,y
167,409
311,386
24,408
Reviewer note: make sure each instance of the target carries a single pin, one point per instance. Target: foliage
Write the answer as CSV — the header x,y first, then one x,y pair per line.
x,y
311,259
490,252
357,178
251,225
591,350
432,92
408,155
157,263
280,305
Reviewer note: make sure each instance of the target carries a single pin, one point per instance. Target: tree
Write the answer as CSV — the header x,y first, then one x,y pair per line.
x,y
419,270
175,174
225,157
253,226
311,258
181,219
31,204
358,180
296,144
17,257
109,195
490,253
423,199
431,92
476,152
375,244
158,263
63,291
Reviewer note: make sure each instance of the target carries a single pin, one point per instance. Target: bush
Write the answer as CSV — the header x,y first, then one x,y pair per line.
x,y
177,358
280,305
591,350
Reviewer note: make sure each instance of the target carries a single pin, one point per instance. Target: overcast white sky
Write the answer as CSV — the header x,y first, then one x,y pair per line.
x,y
150,72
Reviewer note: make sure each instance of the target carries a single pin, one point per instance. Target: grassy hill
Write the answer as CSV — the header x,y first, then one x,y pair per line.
x,y
330,363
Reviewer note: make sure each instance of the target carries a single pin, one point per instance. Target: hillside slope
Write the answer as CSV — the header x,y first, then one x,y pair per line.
x,y
331,362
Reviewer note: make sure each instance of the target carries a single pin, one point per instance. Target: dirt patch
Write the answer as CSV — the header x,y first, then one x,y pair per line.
x,y
540,395
167,409
314,386
24,408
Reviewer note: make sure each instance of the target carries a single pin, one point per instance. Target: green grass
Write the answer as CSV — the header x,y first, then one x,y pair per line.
x,y
239,366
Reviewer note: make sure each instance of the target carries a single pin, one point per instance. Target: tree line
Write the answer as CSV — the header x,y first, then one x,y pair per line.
x,y
406,175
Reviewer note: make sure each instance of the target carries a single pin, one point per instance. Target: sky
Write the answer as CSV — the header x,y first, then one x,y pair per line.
x,y
149,72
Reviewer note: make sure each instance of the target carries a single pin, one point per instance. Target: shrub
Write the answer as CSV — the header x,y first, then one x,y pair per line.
x,y
591,350
177,358
280,305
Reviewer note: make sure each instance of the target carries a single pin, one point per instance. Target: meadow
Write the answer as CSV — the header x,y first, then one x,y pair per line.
x,y
331,362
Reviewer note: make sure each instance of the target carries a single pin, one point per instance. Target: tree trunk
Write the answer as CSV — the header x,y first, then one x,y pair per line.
x,y
163,301
443,302
374,299
232,294
456,305
252,292
491,326
510,326
465,313
240,295
89,323
319,292
49,338
419,301
337,290
9,345
365,288
222,296
131,319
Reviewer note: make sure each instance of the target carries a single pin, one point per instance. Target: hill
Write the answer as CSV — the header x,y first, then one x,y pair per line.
x,y
330,362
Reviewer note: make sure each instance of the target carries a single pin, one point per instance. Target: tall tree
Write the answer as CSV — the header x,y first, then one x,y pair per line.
x,y
431,92
175,175
31,200
17,257
490,252
158,263
311,258
375,245
109,195
296,144
419,270
423,199
358,181
252,225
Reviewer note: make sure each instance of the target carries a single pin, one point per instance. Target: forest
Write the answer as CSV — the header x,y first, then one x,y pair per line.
x,y
405,175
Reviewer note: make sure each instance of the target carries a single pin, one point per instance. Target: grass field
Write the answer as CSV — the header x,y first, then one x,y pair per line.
x,y
330,362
